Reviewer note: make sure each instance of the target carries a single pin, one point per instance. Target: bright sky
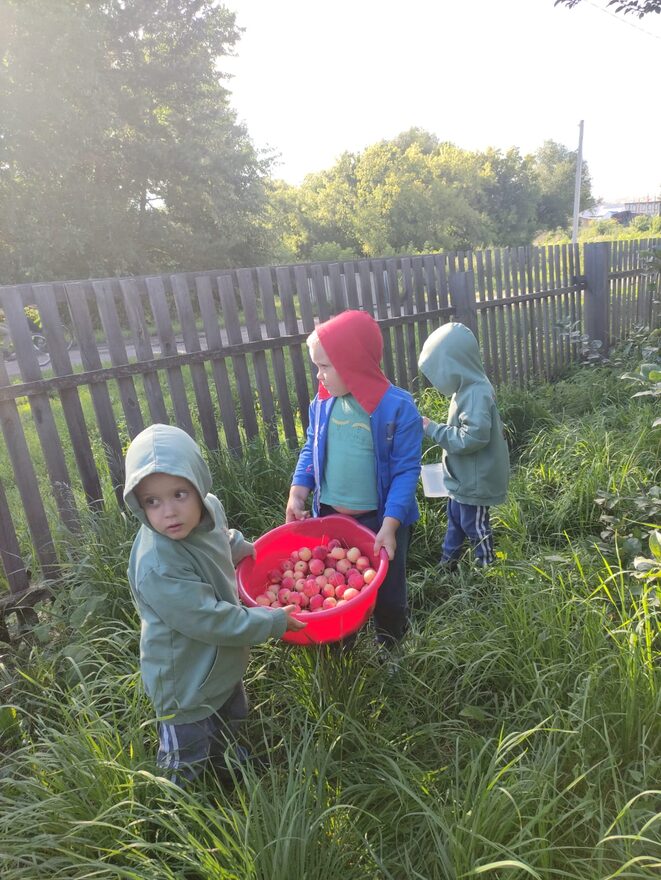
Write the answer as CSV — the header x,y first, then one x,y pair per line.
x,y
313,79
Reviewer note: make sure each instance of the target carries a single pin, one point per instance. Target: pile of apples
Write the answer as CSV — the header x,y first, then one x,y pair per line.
x,y
318,578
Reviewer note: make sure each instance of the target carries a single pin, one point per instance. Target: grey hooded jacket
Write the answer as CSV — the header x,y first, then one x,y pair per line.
x,y
195,635
476,457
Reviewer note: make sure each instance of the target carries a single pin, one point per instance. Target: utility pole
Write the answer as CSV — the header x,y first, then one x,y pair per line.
x,y
577,183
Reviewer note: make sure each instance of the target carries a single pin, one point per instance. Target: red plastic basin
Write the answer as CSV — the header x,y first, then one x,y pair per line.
x,y
322,626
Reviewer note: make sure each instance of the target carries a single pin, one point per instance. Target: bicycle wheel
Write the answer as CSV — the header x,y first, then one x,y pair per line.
x,y
41,347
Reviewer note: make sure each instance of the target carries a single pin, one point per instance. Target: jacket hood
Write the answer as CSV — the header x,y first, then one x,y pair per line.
x,y
165,449
450,358
354,345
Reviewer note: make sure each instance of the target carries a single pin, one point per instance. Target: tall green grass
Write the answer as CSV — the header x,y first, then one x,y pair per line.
x,y
518,735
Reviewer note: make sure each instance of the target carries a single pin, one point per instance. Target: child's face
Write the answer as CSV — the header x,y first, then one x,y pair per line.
x,y
326,372
171,504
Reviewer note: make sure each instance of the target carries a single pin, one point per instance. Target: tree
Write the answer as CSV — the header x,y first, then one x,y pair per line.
x,y
119,151
508,196
555,169
637,7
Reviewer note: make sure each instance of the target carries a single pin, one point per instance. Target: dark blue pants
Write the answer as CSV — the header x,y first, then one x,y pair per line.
x,y
468,522
391,612
185,750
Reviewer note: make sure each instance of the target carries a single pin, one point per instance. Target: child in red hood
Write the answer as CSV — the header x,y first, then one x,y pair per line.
x,y
362,453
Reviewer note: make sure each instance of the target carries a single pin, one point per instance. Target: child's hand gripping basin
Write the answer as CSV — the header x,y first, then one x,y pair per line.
x,y
323,626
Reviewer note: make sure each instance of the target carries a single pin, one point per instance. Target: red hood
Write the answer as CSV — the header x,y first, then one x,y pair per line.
x,y
354,345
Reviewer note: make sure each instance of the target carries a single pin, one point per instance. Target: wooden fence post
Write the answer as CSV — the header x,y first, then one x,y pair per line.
x,y
596,260
462,298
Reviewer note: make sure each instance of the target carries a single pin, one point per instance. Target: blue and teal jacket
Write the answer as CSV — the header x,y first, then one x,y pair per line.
x,y
397,435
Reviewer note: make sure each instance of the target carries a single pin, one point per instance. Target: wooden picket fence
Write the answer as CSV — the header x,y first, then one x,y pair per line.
x,y
222,354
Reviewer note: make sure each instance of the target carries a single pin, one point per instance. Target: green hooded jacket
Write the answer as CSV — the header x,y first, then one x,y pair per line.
x,y
476,463
195,635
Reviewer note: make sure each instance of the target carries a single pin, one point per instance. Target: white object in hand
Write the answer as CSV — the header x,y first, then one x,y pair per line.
x,y
433,483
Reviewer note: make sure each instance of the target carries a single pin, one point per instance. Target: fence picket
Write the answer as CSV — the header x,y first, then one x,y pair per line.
x,y
184,304
221,378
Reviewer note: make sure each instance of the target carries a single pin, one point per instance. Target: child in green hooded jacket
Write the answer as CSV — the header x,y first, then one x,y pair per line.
x,y
195,635
475,453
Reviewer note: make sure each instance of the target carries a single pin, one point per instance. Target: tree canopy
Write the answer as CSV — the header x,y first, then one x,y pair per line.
x,y
119,151
416,194
636,7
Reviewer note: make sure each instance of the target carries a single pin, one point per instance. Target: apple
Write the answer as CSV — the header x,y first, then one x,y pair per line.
x,y
329,602
333,543
274,576
353,553
311,588
283,596
336,579
299,585
343,565
316,566
320,552
304,554
284,564
304,600
350,593
329,571
316,602
328,590
294,555
322,580
301,566
338,552
263,599
287,583
356,581
368,575
340,590
363,562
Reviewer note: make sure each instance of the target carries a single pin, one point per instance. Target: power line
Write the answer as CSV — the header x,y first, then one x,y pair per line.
x,y
623,20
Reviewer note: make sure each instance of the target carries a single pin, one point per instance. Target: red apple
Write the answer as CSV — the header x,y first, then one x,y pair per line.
x,y
316,566
343,565
320,552
338,552
263,599
301,566
329,602
336,579
316,602
288,583
333,543
274,576
362,563
328,590
356,581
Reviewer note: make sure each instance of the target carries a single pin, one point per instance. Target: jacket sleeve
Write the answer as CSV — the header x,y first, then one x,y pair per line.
x,y
472,433
304,471
404,463
239,547
188,605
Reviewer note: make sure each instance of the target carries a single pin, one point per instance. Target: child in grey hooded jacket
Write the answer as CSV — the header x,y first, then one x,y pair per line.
x,y
475,452
195,635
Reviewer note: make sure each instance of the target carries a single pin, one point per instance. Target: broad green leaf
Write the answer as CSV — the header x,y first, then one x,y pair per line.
x,y
655,544
475,713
